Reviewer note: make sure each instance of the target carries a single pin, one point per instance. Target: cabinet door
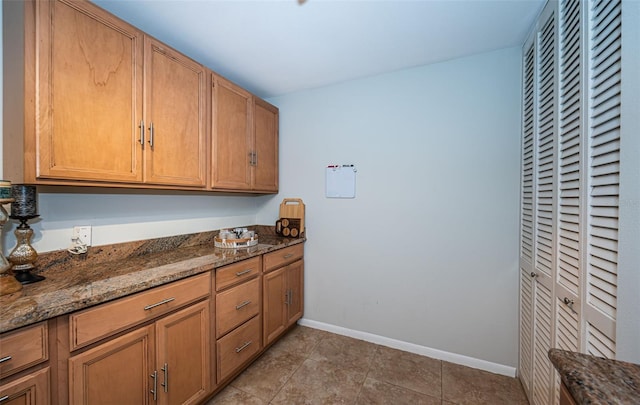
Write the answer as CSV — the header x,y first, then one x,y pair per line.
x,y
232,132
183,355
265,160
296,291
116,372
175,117
32,389
274,298
89,87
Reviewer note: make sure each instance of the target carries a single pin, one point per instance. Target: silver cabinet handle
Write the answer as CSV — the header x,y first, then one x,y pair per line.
x,y
242,304
141,132
244,346
255,158
154,391
7,358
2,399
165,383
287,256
243,272
251,161
568,301
151,134
148,307
534,275
286,298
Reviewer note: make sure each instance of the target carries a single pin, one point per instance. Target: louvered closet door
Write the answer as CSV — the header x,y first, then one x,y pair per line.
x,y
545,234
570,202
604,177
527,281
570,188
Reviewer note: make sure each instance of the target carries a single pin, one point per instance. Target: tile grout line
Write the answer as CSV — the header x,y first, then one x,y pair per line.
x,y
367,374
306,357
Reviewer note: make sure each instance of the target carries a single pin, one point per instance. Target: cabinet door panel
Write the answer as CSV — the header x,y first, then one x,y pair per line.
x,y
183,359
232,132
89,88
265,173
274,298
116,372
296,296
175,107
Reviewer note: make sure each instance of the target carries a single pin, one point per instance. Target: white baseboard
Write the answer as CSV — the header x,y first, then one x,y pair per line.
x,y
413,348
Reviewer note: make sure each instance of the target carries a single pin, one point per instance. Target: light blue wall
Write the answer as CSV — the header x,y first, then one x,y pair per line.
x,y
427,252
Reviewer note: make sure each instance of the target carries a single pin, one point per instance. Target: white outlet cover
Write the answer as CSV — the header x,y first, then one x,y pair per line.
x,y
83,234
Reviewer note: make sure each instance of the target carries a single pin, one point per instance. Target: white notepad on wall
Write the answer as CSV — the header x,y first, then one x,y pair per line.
x,y
340,181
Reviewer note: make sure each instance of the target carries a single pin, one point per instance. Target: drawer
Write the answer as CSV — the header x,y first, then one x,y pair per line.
x,y
236,305
238,347
237,273
93,324
23,348
284,256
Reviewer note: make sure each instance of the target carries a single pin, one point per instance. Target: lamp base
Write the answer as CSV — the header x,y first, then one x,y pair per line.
x,y
25,277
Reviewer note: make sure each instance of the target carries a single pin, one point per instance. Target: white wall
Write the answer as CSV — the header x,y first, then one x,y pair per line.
x,y
123,215
427,252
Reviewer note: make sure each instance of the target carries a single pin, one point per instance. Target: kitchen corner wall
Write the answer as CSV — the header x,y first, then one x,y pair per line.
x,y
427,252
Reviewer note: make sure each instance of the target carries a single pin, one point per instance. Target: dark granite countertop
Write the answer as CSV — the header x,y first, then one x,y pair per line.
x,y
109,272
595,380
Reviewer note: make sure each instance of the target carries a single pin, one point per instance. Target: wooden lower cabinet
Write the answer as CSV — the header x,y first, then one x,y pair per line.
x,y
183,355
283,299
115,372
167,362
32,389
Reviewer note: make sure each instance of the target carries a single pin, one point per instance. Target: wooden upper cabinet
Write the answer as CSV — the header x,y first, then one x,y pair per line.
x,y
107,105
89,94
244,140
175,117
232,136
265,163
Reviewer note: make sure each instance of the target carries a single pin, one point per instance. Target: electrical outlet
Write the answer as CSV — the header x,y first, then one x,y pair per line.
x,y
82,234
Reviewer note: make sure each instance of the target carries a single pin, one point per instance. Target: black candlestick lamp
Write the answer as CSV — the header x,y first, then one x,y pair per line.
x,y
23,208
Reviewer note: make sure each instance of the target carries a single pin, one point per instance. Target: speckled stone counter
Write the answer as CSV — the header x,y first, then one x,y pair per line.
x,y
594,380
108,272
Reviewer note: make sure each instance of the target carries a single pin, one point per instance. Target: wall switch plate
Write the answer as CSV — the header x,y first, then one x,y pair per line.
x,y
82,235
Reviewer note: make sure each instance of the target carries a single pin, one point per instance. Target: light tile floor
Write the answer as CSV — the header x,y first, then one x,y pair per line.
x,y
310,366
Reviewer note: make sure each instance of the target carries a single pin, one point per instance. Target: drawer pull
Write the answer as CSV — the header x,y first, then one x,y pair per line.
x,y
288,255
2,360
244,346
4,398
148,307
243,272
243,304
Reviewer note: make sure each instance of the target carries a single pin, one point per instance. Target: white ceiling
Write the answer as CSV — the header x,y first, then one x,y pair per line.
x,y
274,47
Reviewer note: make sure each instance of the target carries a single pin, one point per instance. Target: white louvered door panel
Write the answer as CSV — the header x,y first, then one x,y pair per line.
x,y
545,206
604,176
526,224
570,246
